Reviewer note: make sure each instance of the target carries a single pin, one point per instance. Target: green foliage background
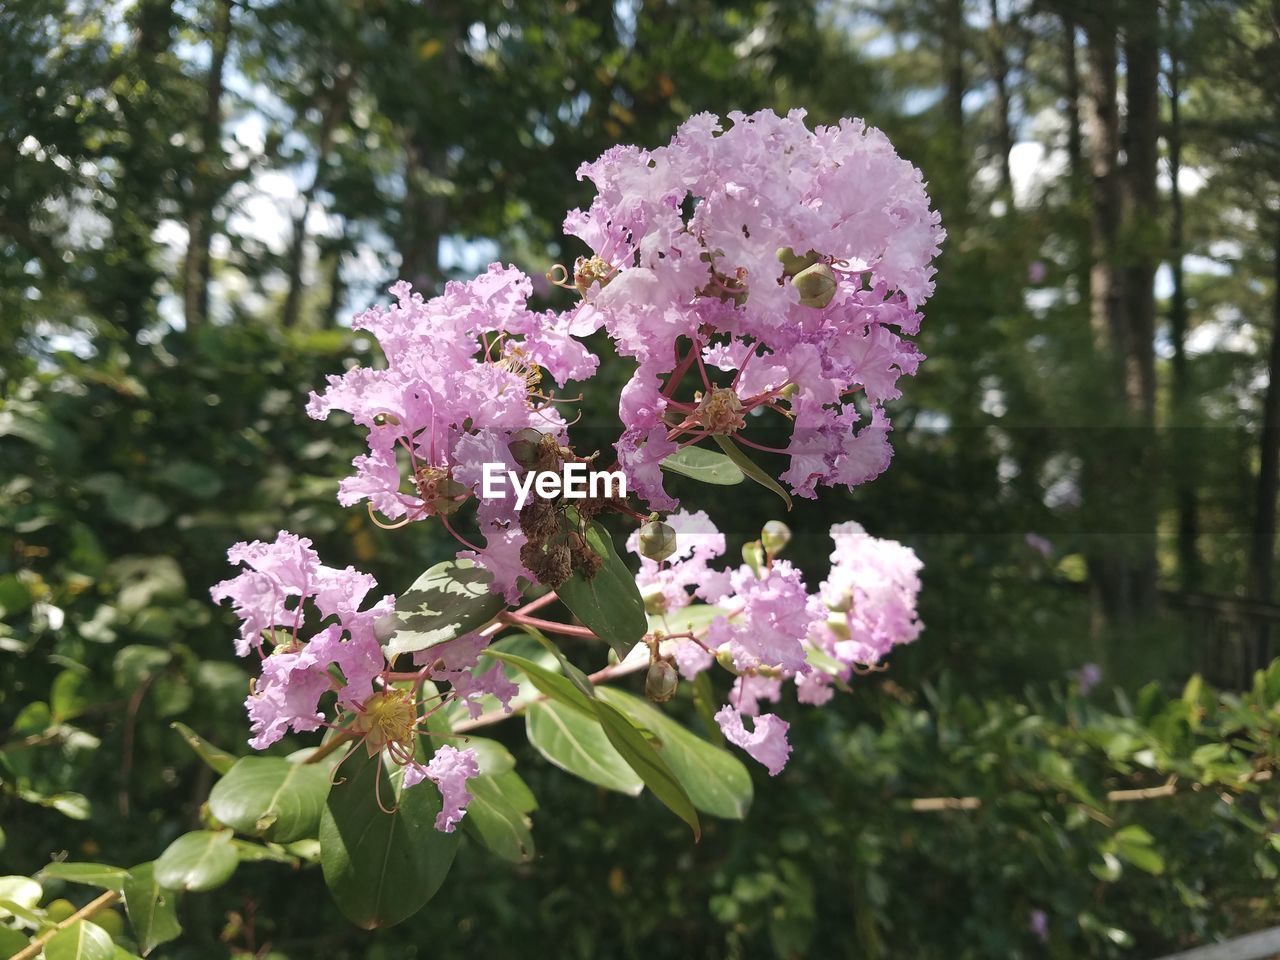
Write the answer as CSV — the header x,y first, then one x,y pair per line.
x,y
139,438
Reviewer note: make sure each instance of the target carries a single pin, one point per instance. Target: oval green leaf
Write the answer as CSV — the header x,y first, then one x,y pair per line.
x,y
751,468
82,940
271,797
704,465
448,600
577,744
200,860
717,782
496,821
610,602
217,759
153,910
382,867
91,874
645,760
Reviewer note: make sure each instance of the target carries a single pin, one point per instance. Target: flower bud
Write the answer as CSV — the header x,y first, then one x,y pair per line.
x,y
725,659
793,263
774,537
661,681
753,556
816,285
839,624
655,603
657,540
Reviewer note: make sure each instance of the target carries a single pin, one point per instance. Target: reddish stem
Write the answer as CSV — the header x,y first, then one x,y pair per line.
x,y
551,626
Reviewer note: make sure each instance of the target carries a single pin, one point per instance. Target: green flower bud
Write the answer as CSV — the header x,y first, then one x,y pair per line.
x,y
839,625
816,284
657,540
753,556
661,681
774,537
655,604
725,659
793,263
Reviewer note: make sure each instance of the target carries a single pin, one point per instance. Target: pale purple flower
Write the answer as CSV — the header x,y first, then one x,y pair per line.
x,y
763,183
1088,677
464,372
765,743
1040,545
449,769
1038,924
286,593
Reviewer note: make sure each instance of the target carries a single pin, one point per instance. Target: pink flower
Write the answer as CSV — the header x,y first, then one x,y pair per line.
x,y
766,742
286,588
823,321
449,769
465,371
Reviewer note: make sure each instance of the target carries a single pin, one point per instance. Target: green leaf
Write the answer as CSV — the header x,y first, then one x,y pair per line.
x,y
491,756
516,791
576,676
751,468
138,663
716,781
91,874
705,465
448,600
382,867
271,797
200,860
645,760
12,941
551,684
218,760
610,602
20,891
496,822
80,941
577,744
152,909
66,696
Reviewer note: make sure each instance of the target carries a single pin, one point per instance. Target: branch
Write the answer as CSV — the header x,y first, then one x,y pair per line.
x,y
1168,789
33,948
611,672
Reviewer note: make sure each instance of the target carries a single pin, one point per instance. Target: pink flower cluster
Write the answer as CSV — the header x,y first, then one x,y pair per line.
x,y
311,616
796,259
768,628
463,376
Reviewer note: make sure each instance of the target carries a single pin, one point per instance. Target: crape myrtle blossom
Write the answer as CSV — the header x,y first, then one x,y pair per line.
x,y
464,374
310,615
769,628
794,259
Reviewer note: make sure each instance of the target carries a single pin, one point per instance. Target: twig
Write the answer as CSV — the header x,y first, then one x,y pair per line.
x,y
1166,789
600,676
33,948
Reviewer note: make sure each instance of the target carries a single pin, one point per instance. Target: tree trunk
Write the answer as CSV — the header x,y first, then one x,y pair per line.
x,y
206,177
1000,75
335,108
1189,563
1071,90
1119,461
424,215
1262,554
